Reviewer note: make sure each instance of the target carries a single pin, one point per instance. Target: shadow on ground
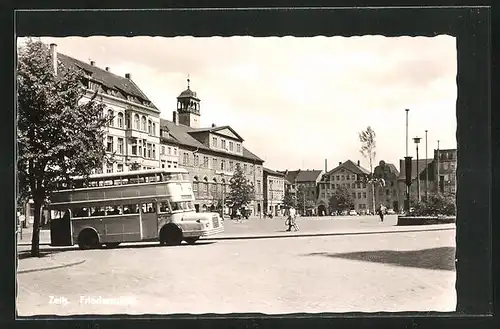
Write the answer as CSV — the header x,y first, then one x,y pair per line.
x,y
43,253
442,258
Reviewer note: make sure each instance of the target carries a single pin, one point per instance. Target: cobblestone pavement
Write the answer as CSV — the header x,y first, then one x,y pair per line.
x,y
276,225
384,272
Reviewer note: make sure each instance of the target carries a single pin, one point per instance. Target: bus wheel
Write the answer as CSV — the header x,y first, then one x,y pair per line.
x,y
170,235
191,240
88,239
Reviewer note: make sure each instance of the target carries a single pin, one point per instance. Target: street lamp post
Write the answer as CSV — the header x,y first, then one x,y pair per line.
x,y
223,193
417,141
426,170
407,110
271,195
438,177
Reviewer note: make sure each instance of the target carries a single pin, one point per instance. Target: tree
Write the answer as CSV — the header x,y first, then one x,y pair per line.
x,y
303,202
341,200
241,191
289,200
59,133
368,146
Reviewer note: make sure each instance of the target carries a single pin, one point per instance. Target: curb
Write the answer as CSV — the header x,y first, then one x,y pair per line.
x,y
299,235
51,267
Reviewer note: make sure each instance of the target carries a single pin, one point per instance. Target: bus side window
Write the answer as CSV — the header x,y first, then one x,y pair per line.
x,y
167,177
80,212
78,184
97,211
115,210
163,207
125,181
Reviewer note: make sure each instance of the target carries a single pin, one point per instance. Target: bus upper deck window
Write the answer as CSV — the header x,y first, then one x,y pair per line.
x,y
108,183
167,177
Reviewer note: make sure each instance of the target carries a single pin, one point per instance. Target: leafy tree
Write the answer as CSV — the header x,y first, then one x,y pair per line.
x,y
437,204
303,202
368,146
59,133
289,200
241,192
135,166
341,200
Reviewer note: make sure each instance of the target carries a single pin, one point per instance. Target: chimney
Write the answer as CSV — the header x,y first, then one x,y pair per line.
x,y
340,163
128,76
107,68
92,63
358,163
53,55
213,125
175,118
326,165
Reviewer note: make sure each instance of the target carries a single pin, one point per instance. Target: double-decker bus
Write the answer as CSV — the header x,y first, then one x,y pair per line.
x,y
145,205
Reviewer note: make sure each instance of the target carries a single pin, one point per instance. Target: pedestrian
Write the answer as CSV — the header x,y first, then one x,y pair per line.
x,y
291,219
238,216
381,211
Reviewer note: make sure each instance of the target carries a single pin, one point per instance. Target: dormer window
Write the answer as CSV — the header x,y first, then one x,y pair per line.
x,y
238,148
214,141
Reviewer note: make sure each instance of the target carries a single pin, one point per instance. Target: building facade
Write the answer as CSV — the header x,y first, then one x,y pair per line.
x,y
388,193
133,133
351,176
442,165
274,192
210,155
304,184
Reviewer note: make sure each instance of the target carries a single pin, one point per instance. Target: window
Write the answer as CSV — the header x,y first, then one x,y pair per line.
x,y
258,186
338,177
231,165
163,163
150,126
143,123
196,160
153,132
354,195
109,168
231,146
109,146
223,144
238,147
185,159
343,177
359,195
111,118
175,150
214,141
222,164
205,162
134,147
128,121
137,124
353,177
154,151
120,146
162,152
119,167
169,164
214,163
348,185
245,169
120,120
364,185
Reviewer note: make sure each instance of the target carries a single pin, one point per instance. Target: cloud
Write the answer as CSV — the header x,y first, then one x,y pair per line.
x,y
296,101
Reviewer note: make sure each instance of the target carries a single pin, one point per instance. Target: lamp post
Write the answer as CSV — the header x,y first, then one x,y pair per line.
x,y
417,141
426,169
407,110
270,195
438,177
223,194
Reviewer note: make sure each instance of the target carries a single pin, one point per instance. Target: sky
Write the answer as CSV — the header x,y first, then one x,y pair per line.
x,y
297,101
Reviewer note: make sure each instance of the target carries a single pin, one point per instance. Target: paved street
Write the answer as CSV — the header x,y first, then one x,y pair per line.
x,y
380,272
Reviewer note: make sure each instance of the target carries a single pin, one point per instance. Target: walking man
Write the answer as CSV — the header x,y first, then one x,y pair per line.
x,y
291,219
381,212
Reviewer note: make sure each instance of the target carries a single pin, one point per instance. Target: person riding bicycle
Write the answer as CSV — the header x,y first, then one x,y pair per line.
x,y
291,219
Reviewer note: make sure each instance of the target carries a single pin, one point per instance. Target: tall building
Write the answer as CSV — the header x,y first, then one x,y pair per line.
x,y
443,164
387,194
274,191
350,175
307,182
209,154
133,134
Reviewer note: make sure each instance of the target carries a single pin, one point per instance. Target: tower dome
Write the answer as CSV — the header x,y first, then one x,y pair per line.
x,y
188,107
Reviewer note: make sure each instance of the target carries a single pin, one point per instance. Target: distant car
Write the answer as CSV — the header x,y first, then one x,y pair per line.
x,y
353,213
390,212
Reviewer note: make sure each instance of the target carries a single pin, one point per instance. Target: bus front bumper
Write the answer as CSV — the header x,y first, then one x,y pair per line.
x,y
199,233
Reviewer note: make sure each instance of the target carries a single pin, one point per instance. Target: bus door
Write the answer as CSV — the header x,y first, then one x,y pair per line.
x,y
149,221
61,231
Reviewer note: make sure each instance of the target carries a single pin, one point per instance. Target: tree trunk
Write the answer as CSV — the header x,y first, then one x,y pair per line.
x,y
35,239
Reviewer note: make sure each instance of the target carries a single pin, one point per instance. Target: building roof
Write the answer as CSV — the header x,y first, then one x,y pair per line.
x,y
272,172
123,85
301,176
188,93
351,166
421,168
215,129
180,134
